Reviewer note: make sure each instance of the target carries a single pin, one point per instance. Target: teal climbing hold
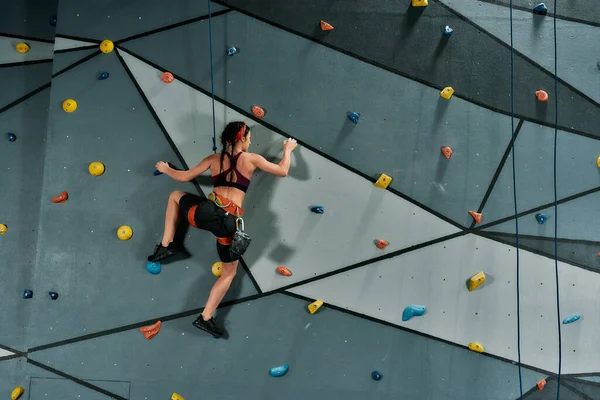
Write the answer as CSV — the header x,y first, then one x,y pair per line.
x,y
541,218
279,371
540,9
448,31
354,116
27,294
153,267
571,318
413,311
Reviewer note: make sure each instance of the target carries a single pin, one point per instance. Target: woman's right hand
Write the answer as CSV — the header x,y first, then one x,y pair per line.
x,y
289,144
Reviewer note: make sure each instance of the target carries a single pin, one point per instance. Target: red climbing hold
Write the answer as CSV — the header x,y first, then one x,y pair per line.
x,y
167,77
151,330
476,216
326,26
541,95
381,244
61,198
258,112
541,384
281,270
447,152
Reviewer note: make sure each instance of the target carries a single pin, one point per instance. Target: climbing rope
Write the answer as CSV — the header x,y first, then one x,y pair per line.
x,y
212,78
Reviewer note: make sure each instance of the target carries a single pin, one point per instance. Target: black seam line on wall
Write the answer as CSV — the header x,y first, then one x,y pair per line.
x,y
137,325
569,378
405,75
282,133
533,250
23,63
11,357
405,329
549,15
76,380
585,374
19,353
499,169
62,51
79,38
25,97
76,63
249,274
575,390
538,208
549,239
172,26
518,53
10,35
369,261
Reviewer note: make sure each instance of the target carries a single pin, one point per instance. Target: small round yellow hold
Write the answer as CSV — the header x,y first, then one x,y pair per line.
x,y
69,105
22,47
598,161
96,168
3,229
107,46
216,268
476,347
124,232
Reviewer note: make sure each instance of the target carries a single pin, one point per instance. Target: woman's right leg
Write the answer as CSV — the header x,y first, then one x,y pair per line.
x,y
166,248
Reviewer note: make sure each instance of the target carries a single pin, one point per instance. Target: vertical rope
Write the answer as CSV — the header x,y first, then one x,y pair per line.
x,y
212,78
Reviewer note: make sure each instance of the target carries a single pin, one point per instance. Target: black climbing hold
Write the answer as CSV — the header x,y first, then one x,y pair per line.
x,y
52,20
27,294
232,51
53,295
353,117
11,137
103,76
540,9
317,209
376,375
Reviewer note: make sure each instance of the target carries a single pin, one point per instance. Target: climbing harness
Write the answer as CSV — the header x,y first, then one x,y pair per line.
x,y
240,240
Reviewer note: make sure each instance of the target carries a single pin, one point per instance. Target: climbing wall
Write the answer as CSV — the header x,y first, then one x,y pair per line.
x,y
389,265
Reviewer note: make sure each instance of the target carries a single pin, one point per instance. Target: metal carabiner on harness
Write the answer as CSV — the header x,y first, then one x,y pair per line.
x,y
237,225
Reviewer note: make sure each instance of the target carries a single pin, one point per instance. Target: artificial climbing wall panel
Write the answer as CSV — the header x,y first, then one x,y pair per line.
x,y
582,10
28,19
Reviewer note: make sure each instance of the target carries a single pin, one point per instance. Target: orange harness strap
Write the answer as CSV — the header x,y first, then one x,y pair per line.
x,y
190,215
230,207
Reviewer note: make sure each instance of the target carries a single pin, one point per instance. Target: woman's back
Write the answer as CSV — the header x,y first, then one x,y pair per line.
x,y
232,183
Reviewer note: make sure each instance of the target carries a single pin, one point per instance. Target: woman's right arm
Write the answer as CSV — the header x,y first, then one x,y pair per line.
x,y
283,167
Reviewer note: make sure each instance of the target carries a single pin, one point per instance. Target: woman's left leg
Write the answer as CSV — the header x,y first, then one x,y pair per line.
x,y
172,216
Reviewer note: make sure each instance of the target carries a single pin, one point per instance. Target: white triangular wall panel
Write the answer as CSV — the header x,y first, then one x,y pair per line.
x,y
436,276
61,43
38,51
5,353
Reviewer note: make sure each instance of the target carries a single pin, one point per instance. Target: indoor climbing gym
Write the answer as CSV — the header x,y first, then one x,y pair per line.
x,y
324,200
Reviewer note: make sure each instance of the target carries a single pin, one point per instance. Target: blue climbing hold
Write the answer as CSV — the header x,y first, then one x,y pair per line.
x,y
103,76
571,318
413,311
157,172
11,137
53,295
448,31
279,371
52,20
541,218
153,267
376,375
27,294
317,209
232,51
353,117
540,9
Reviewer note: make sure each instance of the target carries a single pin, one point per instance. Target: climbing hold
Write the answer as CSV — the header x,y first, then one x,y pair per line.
x,y
540,9
106,46
313,307
22,47
12,137
447,92
541,95
598,65
476,280
541,218
103,76
61,198
571,318
96,168
541,384
281,270
376,375
124,232
419,3
69,105
53,295
153,267
175,396
381,244
325,26
217,268
167,77
474,346
279,371
597,161
52,20
151,330
3,229
354,117
157,172
17,392
413,311
447,152
448,31
258,112
232,51
317,209
476,216
383,181
27,294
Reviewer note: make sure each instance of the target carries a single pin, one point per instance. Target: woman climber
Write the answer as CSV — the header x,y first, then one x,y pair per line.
x,y
221,212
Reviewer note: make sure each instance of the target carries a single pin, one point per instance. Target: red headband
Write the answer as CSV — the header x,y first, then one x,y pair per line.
x,y
240,134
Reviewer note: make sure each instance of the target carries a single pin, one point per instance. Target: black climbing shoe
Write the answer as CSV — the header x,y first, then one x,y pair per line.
x,y
209,326
160,252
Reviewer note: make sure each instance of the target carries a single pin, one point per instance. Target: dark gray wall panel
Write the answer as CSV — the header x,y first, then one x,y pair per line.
x,y
28,18
410,40
584,10
63,60
52,388
21,80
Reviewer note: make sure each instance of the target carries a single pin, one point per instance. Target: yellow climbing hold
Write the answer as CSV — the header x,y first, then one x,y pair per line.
x,y
96,168
3,229
476,280
17,392
598,161
447,93
419,3
69,105
474,346
22,47
107,46
124,232
176,396
313,307
383,181
216,268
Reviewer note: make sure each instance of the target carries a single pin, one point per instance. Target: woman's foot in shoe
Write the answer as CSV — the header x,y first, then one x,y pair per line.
x,y
161,252
209,326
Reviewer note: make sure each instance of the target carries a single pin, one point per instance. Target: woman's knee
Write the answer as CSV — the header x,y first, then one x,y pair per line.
x,y
176,195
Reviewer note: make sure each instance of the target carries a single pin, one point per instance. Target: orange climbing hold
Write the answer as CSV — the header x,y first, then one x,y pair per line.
x,y
326,26
381,244
61,198
258,112
281,270
541,95
541,384
167,77
151,330
447,152
476,216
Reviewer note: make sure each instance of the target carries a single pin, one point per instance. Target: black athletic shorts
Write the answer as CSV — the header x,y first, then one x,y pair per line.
x,y
210,217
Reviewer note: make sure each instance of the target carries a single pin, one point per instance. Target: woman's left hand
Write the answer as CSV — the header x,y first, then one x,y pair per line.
x,y
162,166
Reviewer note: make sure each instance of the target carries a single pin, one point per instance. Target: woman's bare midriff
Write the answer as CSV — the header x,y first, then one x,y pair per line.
x,y
243,166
